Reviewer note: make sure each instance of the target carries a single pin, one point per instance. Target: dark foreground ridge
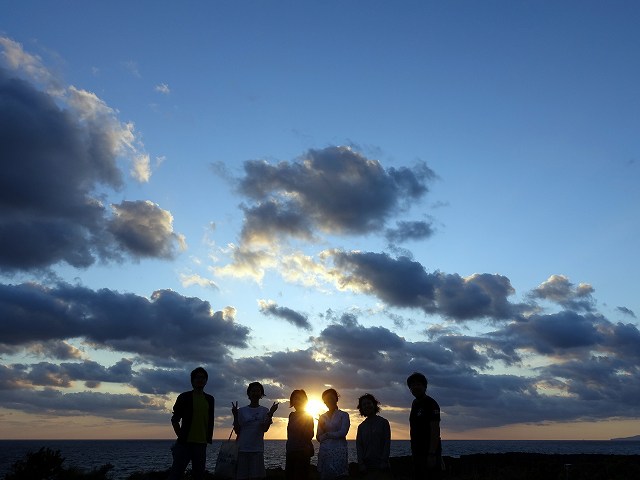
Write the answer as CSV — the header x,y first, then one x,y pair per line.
x,y
48,464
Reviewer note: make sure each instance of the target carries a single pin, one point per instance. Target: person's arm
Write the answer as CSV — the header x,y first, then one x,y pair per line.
x,y
321,434
269,416
177,416
236,422
308,427
360,448
212,416
386,449
342,431
434,437
434,442
176,427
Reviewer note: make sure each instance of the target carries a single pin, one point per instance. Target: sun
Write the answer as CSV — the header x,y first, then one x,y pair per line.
x,y
315,408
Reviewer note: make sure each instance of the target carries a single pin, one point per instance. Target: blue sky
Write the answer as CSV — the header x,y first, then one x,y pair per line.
x,y
317,194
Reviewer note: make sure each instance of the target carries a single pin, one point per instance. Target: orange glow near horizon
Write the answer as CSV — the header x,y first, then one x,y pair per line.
x,y
18,425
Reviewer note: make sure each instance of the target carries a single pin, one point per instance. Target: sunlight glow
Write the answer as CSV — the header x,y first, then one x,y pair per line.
x,y
315,408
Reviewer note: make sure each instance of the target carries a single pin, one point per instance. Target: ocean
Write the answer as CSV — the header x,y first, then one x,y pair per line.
x,y
129,456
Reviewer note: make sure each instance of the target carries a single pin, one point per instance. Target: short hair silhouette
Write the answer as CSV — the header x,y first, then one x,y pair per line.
x,y
198,370
328,391
300,392
255,384
417,377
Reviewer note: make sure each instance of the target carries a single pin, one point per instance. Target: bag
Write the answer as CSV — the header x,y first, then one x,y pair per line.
x,y
227,459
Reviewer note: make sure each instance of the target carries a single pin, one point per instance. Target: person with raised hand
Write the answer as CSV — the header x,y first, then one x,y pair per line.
x,y
250,423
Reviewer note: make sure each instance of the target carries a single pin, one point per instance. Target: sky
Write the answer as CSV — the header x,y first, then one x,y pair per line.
x,y
320,194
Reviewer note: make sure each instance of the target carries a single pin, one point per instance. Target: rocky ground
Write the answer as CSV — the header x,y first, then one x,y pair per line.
x,y
49,464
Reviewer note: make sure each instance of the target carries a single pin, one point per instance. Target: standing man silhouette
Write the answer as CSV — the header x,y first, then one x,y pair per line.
x,y
195,409
424,422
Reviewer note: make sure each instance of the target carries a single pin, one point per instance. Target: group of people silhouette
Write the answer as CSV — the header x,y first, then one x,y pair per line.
x,y
193,419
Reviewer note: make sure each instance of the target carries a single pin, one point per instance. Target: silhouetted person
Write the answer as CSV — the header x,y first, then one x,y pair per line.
x,y
299,435
192,420
250,423
332,434
373,440
424,420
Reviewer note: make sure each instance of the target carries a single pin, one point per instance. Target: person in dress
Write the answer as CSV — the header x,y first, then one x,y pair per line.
x,y
299,435
192,421
332,434
250,423
424,422
373,440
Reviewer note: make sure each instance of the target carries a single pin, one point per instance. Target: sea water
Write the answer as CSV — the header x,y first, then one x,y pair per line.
x,y
129,456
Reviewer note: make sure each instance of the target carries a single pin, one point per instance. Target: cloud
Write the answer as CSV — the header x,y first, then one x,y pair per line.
x,y
626,311
51,401
248,263
558,289
555,334
163,88
188,280
330,191
59,350
271,219
586,366
167,327
92,373
145,230
141,168
269,307
409,231
58,148
17,59
132,67
338,340
335,190
403,282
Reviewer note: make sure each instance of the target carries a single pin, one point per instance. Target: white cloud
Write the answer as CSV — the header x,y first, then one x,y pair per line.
x,y
163,88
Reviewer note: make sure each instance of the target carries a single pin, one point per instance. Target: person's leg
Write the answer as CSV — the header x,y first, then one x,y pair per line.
x,y
181,458
419,467
198,459
242,472
297,466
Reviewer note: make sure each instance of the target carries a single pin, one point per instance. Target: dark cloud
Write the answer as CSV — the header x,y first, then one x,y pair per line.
x,y
50,401
272,218
626,311
588,369
623,340
144,229
403,282
295,318
167,326
604,381
372,343
558,289
55,153
59,350
559,333
406,231
335,190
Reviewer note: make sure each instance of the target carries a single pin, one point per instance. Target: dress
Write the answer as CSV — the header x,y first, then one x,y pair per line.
x,y
251,423
333,456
